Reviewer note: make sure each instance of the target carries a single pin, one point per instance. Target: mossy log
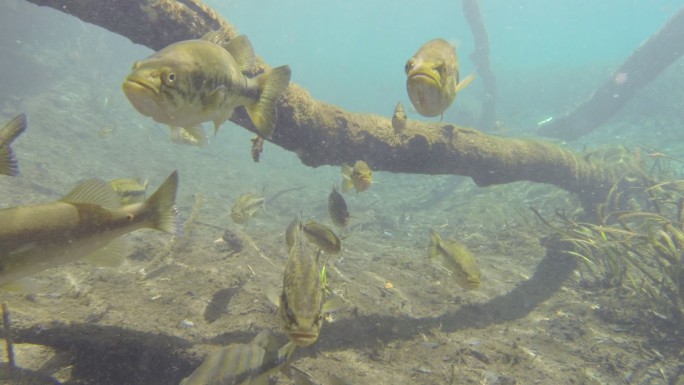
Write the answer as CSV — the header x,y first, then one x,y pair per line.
x,y
642,66
324,134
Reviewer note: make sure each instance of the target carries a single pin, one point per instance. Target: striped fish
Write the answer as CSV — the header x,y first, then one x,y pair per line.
x,y
243,364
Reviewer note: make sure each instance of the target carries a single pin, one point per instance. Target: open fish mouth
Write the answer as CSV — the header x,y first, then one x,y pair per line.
x,y
302,339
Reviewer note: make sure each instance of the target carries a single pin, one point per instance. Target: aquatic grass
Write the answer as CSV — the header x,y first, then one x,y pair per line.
x,y
635,242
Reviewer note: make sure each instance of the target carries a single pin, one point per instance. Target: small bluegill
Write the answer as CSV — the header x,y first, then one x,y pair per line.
x,y
432,77
359,177
457,259
87,222
322,236
243,364
8,162
337,208
203,80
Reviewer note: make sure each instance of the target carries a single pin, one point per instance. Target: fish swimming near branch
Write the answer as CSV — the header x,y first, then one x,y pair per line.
x,y
87,222
359,177
456,258
432,78
8,162
201,80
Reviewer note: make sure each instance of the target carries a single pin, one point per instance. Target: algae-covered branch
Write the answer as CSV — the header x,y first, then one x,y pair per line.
x,y
324,134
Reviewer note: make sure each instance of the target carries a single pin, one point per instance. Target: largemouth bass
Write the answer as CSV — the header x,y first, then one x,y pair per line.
x,y
432,78
85,223
456,258
202,80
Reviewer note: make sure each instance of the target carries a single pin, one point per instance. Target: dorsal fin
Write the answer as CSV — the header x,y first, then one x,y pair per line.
x,y
93,191
242,52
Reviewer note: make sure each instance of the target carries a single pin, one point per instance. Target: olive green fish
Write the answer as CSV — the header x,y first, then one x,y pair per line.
x,y
301,306
322,236
359,177
8,162
432,78
399,117
337,208
243,364
129,190
456,258
245,206
87,222
195,81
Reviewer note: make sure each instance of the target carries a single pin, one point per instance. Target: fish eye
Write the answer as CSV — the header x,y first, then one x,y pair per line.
x,y
169,78
408,66
130,217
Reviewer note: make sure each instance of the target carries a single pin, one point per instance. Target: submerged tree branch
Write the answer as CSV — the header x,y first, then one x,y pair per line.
x,y
644,65
471,9
324,134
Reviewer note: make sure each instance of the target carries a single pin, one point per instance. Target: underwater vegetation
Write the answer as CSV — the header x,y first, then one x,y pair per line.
x,y
635,244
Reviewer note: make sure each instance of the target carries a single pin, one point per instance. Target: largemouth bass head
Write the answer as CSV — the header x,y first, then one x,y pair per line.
x,y
429,86
152,89
302,327
432,74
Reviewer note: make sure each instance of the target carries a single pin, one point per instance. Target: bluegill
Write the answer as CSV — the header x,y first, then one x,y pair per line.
x,y
432,77
243,364
457,259
337,208
8,162
201,80
322,236
87,222
359,177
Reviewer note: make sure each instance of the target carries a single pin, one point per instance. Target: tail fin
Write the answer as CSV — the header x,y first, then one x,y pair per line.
x,y
433,247
162,204
8,163
272,84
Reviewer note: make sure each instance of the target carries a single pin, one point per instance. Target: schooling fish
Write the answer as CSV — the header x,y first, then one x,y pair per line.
x,y
201,80
243,364
432,77
457,259
360,176
87,222
8,163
